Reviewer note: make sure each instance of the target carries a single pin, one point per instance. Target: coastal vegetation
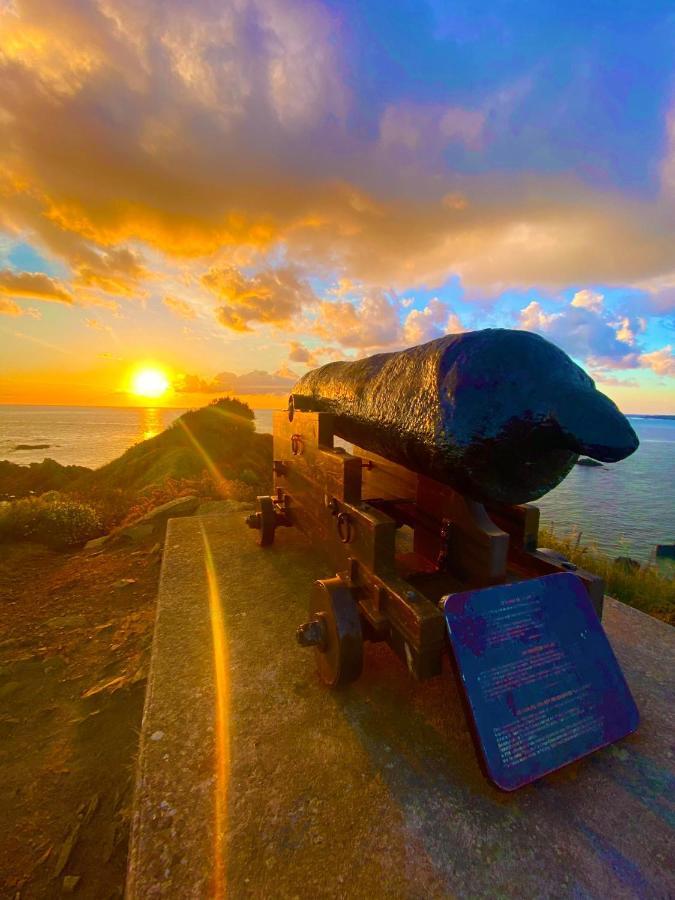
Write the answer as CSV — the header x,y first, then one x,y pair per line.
x,y
213,453
37,478
643,586
56,521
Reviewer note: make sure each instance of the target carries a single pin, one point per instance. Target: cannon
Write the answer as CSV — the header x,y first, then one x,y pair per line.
x,y
429,510
499,415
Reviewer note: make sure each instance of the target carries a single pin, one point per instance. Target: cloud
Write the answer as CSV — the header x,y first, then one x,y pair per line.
x,y
533,317
9,307
588,300
435,320
203,127
626,329
286,372
377,320
35,285
299,353
256,382
427,129
659,294
373,323
273,296
609,380
581,332
195,384
662,361
588,332
180,307
117,271
96,325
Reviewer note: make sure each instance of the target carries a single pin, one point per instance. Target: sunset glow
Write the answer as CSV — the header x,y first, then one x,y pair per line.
x,y
150,383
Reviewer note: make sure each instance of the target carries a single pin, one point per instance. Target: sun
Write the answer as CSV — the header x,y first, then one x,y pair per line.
x,y
149,382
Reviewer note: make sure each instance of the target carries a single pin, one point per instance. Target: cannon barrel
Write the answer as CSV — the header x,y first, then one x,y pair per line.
x,y
498,414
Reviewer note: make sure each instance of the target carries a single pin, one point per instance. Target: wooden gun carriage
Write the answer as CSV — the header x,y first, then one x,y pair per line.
x,y
398,542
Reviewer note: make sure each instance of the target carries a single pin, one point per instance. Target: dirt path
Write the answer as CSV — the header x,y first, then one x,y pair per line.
x,y
75,633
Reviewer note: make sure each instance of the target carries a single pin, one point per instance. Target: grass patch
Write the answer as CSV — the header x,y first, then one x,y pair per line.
x,y
219,438
646,588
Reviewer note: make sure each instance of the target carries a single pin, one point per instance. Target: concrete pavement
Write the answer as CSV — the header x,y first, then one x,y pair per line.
x,y
256,781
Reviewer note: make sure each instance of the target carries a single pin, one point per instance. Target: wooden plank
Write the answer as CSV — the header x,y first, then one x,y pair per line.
x,y
521,523
385,479
313,429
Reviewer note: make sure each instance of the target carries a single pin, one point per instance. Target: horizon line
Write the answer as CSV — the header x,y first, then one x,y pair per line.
x,y
661,415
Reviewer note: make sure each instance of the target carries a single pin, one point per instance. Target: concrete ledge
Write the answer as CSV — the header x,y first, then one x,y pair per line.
x,y
255,781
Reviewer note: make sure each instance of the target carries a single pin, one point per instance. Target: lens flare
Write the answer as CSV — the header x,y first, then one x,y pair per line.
x,y
219,481
222,737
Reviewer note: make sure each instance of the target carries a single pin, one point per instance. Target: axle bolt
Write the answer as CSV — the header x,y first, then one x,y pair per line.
x,y
312,633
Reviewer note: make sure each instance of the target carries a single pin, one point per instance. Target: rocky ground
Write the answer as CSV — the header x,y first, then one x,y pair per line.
x,y
75,635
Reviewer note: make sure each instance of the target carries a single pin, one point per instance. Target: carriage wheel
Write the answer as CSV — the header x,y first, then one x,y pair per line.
x,y
334,629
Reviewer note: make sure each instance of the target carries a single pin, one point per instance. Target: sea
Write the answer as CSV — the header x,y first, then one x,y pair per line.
x,y
625,508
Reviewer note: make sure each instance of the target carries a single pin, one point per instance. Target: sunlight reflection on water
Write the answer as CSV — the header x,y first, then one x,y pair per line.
x,y
151,422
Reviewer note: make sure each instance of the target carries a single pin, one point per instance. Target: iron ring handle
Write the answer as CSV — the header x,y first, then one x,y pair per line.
x,y
297,444
344,527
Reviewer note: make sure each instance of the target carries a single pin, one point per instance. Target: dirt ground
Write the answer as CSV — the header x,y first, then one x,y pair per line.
x,y
75,635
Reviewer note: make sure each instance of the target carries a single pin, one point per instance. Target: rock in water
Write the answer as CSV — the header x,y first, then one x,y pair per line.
x,y
498,414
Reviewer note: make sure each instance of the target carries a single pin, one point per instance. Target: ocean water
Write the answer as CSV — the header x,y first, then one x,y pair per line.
x,y
77,435
625,508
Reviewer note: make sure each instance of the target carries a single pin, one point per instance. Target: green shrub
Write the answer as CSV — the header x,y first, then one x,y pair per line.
x,y
58,523
645,588
111,504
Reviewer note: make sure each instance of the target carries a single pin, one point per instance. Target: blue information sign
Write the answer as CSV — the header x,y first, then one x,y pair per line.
x,y
540,676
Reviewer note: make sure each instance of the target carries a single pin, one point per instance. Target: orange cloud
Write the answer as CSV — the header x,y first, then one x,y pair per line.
x,y
35,285
273,296
10,308
662,361
299,353
115,271
373,323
